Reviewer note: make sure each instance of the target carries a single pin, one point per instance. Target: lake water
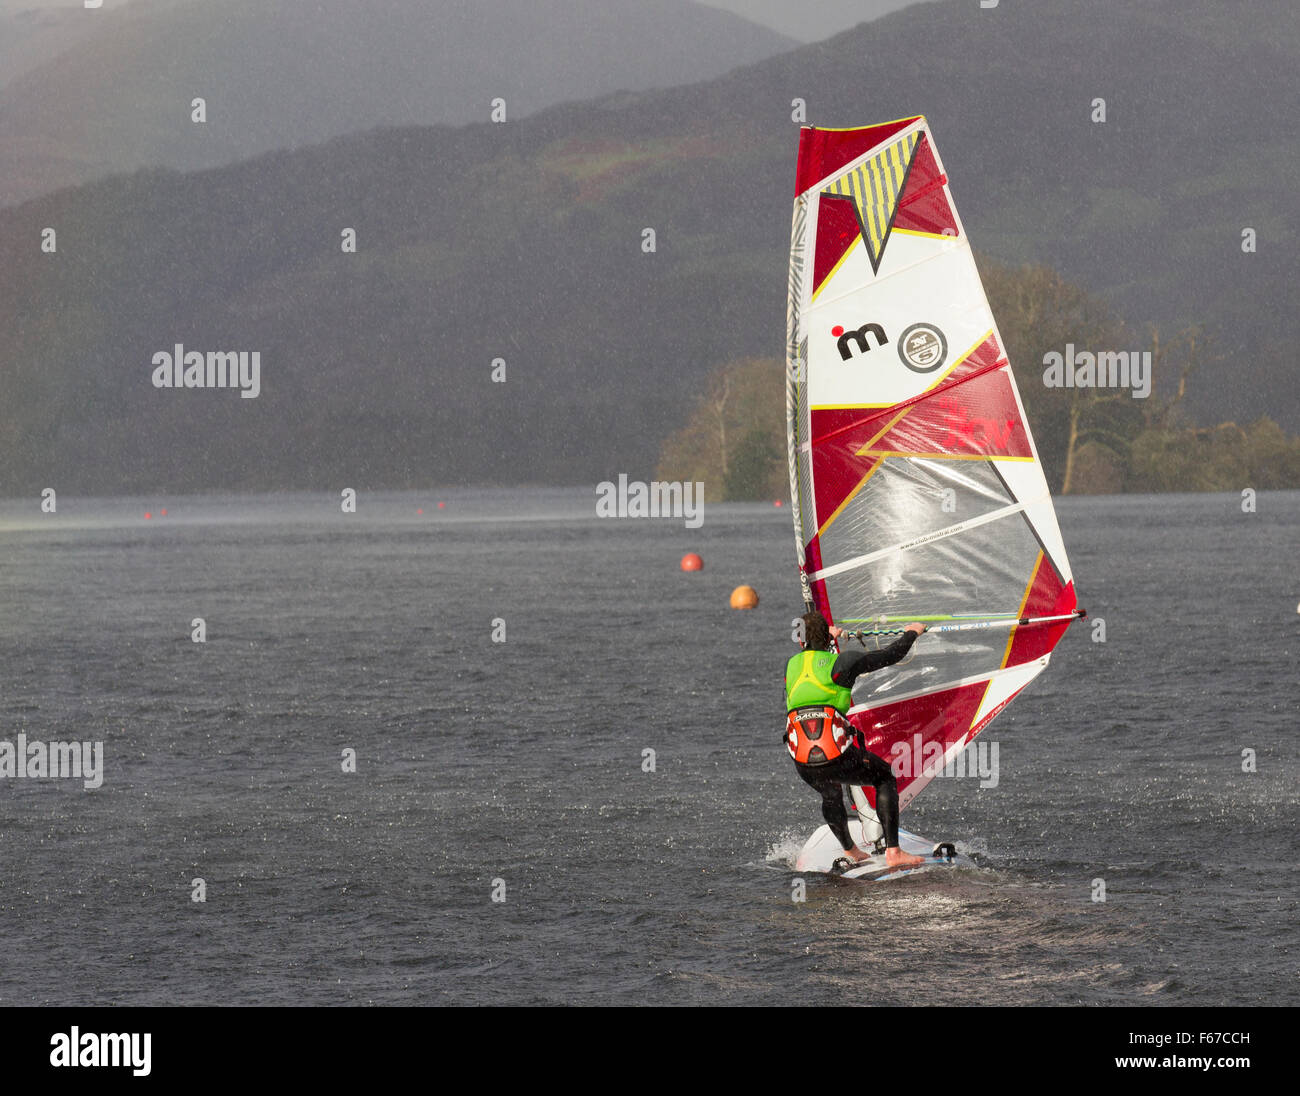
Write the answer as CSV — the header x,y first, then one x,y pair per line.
x,y
516,766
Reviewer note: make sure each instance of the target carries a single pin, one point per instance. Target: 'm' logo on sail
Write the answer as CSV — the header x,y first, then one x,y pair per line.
x,y
859,338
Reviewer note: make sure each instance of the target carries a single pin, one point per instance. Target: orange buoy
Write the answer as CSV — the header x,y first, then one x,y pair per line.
x,y
692,562
744,597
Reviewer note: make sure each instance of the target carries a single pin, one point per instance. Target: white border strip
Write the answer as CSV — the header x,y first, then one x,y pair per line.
x,y
944,686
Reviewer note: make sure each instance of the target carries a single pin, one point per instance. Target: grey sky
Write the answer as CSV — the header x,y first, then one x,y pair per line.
x,y
811,22
807,22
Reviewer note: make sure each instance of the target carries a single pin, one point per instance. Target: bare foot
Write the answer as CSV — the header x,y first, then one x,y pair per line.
x,y
897,858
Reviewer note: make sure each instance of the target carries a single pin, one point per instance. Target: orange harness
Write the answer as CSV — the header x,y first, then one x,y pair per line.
x,y
816,735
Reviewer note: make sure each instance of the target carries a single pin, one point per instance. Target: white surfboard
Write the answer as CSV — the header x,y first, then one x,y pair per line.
x,y
823,850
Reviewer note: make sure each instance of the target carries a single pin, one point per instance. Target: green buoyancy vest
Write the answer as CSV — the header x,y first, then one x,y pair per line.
x,y
808,683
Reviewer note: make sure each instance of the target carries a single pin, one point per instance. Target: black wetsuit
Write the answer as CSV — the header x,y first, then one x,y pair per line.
x,y
856,765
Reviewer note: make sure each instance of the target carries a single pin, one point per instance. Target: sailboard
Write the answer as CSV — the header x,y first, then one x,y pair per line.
x,y
916,488
822,853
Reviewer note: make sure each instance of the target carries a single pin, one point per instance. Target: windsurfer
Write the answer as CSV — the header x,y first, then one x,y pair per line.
x,y
826,750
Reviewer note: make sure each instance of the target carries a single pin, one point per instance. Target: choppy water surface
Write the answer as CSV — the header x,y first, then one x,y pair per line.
x,y
522,761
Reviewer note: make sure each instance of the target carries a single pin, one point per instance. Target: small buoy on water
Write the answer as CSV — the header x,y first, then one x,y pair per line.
x,y
744,597
148,516
777,502
692,562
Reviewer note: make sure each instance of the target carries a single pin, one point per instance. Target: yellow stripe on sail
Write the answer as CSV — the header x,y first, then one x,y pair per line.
x,y
1033,577
961,360
928,235
1011,637
874,125
874,187
848,498
831,273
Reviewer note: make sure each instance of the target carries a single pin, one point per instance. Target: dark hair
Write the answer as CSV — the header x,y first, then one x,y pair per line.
x,y
816,632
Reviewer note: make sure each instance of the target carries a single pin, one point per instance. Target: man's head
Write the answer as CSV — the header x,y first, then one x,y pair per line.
x,y
816,632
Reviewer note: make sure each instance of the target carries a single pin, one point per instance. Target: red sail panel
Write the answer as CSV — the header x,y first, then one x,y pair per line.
x,y
924,206
1047,597
837,231
902,733
823,152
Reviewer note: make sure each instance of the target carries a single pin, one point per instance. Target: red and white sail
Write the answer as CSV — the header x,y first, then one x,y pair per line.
x,y
916,486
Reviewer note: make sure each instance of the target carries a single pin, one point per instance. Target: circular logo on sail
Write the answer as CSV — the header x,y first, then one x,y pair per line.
x,y
923,348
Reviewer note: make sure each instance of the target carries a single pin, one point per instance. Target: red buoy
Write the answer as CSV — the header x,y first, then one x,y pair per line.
x,y
692,562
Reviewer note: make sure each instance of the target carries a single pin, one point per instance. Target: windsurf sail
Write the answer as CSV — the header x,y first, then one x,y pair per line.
x,y
917,491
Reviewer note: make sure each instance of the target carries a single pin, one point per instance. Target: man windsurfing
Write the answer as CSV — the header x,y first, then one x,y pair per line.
x,y
826,748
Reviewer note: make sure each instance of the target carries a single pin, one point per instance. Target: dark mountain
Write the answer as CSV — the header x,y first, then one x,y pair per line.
x,y
523,241
283,75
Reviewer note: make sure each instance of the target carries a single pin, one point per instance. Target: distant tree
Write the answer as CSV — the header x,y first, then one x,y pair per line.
x,y
757,459
1085,436
1167,459
1039,312
1098,469
1272,458
734,440
1187,352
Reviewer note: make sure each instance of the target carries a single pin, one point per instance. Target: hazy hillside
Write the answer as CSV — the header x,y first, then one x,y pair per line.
x,y
283,75
523,242
811,22
32,32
